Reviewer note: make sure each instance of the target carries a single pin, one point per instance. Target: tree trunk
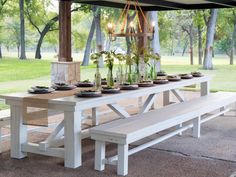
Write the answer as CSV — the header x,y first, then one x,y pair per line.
x,y
99,37
156,40
0,51
185,47
88,44
42,34
200,51
233,43
22,30
211,25
38,48
191,44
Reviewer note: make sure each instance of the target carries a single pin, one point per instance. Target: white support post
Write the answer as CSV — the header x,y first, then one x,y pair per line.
x,y
95,118
18,132
119,110
100,150
123,155
166,98
205,88
197,127
72,141
148,104
179,127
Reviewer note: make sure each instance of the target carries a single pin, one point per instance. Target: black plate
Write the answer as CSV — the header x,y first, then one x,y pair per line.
x,y
129,87
111,91
89,94
161,81
84,84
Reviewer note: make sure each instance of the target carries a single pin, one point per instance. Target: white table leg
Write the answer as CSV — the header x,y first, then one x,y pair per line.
x,y
119,110
205,88
72,141
100,148
122,167
18,132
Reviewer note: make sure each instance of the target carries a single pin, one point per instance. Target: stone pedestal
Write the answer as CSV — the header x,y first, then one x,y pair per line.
x,y
65,72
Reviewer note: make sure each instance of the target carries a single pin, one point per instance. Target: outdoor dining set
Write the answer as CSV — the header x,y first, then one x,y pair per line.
x,y
33,108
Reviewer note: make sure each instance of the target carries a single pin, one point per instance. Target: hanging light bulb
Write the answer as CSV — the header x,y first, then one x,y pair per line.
x,y
131,24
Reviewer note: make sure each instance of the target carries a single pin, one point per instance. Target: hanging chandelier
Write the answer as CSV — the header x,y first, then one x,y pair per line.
x,y
114,31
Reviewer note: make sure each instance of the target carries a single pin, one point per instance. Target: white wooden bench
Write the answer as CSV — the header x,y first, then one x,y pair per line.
x,y
4,121
126,131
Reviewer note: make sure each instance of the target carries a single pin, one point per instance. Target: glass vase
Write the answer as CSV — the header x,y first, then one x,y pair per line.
x,y
110,79
98,80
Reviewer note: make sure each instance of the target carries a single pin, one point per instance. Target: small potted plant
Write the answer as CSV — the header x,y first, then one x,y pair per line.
x,y
109,60
120,72
130,83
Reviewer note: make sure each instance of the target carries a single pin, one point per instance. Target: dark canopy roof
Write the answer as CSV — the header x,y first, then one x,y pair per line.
x,y
151,5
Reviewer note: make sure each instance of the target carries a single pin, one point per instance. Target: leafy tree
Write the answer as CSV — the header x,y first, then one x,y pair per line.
x,y
22,30
211,26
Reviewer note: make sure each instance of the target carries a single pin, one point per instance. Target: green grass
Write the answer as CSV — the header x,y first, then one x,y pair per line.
x,y
14,69
17,75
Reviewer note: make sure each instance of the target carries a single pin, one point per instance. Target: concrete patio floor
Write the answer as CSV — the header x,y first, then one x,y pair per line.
x,y
213,155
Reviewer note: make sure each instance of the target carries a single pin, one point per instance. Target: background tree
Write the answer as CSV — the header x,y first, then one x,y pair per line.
x,y
22,31
2,4
211,26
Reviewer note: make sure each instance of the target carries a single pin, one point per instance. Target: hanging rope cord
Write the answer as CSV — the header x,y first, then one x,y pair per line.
x,y
125,12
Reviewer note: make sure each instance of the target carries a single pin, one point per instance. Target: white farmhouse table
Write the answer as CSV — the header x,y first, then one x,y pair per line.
x,y
69,132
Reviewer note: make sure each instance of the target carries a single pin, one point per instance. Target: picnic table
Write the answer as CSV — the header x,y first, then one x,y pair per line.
x,y
65,140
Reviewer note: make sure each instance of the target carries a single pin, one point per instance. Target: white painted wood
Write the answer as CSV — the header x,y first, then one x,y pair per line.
x,y
222,109
5,114
34,148
166,98
99,155
126,131
140,102
119,110
148,104
214,116
57,133
122,167
197,127
73,151
95,117
111,160
205,88
18,132
178,95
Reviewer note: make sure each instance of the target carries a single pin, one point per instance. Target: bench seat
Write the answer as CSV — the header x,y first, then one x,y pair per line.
x,y
126,131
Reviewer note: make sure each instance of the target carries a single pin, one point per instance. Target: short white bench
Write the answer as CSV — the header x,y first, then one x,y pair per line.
x,y
4,121
126,131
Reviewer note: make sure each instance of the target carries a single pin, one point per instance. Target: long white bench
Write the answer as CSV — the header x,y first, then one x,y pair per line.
x,y
126,131
4,121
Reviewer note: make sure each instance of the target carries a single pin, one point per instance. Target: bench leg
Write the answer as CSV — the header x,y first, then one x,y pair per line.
x,y
0,140
197,127
100,149
180,126
122,167
222,109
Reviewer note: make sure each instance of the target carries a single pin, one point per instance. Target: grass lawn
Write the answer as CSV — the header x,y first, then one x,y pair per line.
x,y
17,75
